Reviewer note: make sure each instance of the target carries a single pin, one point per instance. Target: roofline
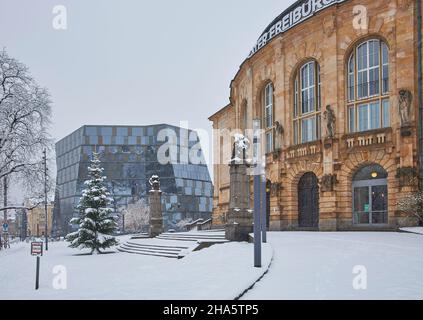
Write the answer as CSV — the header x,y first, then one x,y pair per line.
x,y
219,111
119,126
287,10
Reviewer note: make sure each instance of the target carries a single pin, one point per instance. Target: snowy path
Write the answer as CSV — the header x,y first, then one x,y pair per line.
x,y
320,266
221,272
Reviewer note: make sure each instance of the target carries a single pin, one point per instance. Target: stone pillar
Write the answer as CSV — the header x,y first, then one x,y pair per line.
x,y
240,219
156,214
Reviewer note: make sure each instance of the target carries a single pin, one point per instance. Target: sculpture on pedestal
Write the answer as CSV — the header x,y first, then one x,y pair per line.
x,y
156,214
239,218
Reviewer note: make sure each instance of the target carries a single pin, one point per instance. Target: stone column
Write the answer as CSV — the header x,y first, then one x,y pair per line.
x,y
240,219
156,214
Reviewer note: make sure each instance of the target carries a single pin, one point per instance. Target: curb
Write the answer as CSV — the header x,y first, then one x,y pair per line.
x,y
259,279
409,231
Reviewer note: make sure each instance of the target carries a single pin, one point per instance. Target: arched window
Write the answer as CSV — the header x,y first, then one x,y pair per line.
x,y
268,116
368,87
307,103
244,115
370,192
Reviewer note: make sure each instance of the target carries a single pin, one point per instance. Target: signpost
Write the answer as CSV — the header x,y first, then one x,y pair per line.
x,y
5,227
37,250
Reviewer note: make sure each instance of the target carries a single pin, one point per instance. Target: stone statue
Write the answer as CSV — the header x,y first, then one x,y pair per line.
x,y
154,182
279,133
330,121
241,144
404,106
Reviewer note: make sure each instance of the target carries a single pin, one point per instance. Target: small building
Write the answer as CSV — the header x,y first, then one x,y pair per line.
x,y
36,223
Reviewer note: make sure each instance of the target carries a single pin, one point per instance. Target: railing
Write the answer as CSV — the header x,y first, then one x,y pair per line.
x,y
363,139
206,225
199,225
194,225
303,150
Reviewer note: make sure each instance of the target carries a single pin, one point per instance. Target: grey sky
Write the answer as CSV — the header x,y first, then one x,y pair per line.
x,y
135,62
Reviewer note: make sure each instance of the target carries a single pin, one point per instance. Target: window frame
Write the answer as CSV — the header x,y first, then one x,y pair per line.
x,y
313,112
353,101
268,105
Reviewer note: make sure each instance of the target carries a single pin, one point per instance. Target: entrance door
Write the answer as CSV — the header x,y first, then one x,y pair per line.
x,y
308,201
370,196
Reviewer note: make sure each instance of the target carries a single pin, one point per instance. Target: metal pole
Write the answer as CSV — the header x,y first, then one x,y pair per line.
x,y
45,199
263,193
37,274
5,198
123,223
257,226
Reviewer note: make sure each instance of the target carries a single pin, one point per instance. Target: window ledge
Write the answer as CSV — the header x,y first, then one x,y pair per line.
x,y
367,138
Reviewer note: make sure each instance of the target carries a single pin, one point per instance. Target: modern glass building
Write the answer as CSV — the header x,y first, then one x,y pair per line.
x,y
129,155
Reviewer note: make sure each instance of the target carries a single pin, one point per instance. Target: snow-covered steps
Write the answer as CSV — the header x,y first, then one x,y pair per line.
x,y
159,248
140,236
198,236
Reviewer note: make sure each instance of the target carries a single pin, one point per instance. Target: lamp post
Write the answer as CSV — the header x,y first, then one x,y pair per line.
x,y
45,199
257,190
263,193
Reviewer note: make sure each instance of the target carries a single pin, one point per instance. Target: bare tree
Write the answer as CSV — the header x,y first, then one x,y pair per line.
x,y
137,216
413,205
25,112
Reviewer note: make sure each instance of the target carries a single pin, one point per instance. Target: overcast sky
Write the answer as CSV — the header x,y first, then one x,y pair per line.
x,y
135,62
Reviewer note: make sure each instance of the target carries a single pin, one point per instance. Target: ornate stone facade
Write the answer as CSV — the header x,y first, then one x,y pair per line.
x,y
342,145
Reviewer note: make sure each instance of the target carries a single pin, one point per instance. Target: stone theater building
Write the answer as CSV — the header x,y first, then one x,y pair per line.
x,y
336,86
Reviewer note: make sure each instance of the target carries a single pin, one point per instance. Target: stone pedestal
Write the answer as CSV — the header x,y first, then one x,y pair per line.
x,y
240,219
156,214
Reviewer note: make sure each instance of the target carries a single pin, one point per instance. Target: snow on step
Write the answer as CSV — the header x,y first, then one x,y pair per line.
x,y
213,236
158,247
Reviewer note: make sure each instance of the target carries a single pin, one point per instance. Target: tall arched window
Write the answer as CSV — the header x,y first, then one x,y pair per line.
x,y
244,115
368,87
268,116
307,103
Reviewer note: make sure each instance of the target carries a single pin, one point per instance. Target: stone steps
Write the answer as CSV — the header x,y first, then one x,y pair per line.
x,y
153,247
199,236
172,245
140,236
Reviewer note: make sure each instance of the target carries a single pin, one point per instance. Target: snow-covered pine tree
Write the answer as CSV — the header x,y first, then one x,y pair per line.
x,y
96,223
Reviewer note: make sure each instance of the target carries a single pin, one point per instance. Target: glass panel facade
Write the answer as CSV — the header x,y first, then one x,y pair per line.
x,y
129,159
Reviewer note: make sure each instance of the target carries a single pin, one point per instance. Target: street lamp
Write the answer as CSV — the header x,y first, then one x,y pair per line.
x,y
45,199
257,156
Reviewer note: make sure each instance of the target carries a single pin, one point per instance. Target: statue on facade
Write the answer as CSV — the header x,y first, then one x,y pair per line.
x,y
404,106
330,118
279,133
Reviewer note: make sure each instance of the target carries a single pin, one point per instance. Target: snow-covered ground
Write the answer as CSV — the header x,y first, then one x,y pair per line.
x,y
306,265
320,266
223,271
417,230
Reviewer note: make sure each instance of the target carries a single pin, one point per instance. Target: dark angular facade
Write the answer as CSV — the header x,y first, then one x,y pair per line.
x,y
129,155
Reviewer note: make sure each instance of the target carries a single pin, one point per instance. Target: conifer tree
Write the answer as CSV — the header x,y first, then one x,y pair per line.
x,y
96,223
